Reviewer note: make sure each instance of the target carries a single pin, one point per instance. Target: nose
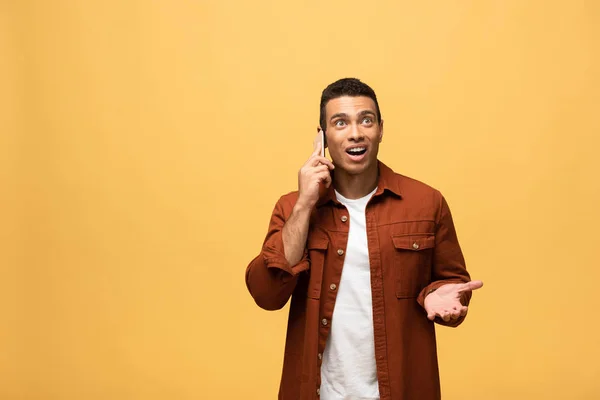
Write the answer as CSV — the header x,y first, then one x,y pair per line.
x,y
356,133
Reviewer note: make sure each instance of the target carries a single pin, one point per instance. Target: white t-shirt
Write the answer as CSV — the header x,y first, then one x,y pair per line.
x,y
348,371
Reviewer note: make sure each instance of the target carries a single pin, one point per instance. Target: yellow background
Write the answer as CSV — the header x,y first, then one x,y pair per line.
x,y
144,143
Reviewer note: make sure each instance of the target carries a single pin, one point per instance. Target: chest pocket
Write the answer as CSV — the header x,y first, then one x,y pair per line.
x,y
412,262
317,250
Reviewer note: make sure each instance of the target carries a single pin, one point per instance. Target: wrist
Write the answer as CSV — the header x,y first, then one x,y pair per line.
x,y
302,207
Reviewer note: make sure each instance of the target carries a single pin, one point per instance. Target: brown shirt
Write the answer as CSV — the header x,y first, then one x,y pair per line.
x,y
413,250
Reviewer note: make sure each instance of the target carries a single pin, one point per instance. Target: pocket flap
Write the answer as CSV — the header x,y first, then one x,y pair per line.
x,y
414,242
317,243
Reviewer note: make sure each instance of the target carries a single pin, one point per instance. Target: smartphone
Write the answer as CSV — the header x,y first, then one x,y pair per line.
x,y
322,142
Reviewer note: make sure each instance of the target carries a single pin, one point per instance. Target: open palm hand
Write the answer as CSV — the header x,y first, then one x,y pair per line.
x,y
445,301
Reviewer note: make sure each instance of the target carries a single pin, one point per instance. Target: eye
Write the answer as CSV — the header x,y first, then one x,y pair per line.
x,y
367,120
339,123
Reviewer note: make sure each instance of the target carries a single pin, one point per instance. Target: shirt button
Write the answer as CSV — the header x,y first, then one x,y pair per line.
x,y
324,322
340,252
415,245
320,356
332,286
344,218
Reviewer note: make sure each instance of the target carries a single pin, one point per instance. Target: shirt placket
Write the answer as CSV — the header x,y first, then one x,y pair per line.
x,y
380,337
332,276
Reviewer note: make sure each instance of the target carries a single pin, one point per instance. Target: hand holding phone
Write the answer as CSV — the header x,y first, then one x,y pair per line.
x,y
314,177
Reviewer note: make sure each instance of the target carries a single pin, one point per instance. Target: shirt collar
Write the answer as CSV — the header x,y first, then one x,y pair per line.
x,y
387,180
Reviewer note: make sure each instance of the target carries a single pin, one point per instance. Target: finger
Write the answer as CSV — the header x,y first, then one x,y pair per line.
x,y
315,160
308,172
446,315
431,315
474,285
469,286
324,176
326,161
455,314
317,145
463,311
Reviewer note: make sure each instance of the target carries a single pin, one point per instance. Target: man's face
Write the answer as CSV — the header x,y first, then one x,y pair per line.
x,y
353,133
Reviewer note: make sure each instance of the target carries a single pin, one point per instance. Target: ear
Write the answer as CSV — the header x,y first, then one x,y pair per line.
x,y
381,131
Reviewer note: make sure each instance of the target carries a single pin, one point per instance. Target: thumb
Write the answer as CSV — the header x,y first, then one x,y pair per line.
x,y
473,285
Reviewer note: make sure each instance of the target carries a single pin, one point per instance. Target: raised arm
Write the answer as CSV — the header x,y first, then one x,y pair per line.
x,y
272,276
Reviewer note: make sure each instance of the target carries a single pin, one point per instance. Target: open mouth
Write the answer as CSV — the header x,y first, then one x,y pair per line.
x,y
357,151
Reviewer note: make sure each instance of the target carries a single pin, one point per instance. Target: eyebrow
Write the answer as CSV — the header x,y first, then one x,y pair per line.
x,y
344,115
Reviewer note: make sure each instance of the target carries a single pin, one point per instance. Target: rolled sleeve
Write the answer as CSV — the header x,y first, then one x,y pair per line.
x,y
270,278
448,261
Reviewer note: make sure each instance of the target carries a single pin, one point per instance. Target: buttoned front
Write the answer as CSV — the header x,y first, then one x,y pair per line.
x,y
413,250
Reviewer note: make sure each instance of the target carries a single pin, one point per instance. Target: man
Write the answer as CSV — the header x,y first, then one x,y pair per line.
x,y
370,259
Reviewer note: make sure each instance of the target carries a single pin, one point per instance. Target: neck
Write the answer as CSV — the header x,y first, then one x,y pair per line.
x,y
356,186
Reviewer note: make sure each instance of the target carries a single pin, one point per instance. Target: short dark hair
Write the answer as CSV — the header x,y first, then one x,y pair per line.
x,y
346,87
